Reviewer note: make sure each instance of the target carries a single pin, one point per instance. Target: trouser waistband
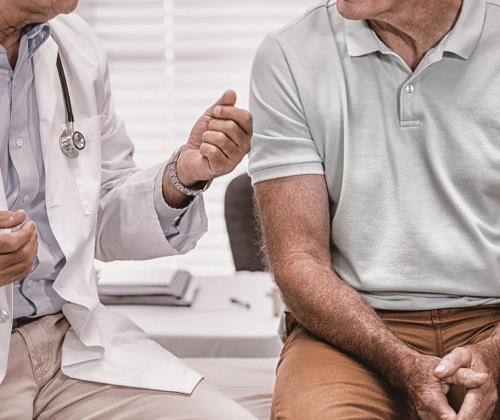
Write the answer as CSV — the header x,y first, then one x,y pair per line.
x,y
21,322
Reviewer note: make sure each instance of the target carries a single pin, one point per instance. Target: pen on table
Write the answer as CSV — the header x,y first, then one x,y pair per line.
x,y
239,302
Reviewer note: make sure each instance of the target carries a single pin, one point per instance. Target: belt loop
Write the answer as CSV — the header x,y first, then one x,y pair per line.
x,y
20,322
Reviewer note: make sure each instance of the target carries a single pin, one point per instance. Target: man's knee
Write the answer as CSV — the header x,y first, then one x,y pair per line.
x,y
207,403
339,404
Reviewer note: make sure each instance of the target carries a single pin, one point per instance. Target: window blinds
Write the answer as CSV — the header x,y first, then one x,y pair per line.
x,y
169,61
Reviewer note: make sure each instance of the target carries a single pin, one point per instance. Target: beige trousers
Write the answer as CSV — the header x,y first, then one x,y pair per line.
x,y
35,387
316,381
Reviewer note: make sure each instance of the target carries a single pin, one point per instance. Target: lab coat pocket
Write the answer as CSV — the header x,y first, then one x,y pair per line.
x,y
87,165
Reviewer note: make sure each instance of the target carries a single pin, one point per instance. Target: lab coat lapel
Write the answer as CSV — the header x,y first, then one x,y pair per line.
x,y
48,99
64,213
5,304
60,194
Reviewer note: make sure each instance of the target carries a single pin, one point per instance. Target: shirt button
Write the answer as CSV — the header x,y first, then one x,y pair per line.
x,y
26,198
4,316
20,143
410,88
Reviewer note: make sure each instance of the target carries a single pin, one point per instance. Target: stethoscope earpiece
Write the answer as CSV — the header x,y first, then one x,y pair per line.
x,y
71,141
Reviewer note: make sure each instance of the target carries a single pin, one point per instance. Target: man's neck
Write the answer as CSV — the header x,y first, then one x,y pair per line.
x,y
11,45
10,33
416,27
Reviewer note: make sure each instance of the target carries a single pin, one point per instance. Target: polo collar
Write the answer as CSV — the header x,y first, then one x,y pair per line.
x,y
465,35
360,38
461,40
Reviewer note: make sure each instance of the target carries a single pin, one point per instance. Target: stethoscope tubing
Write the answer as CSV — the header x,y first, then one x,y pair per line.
x,y
64,85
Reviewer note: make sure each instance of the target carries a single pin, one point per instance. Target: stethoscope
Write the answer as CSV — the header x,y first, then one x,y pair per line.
x,y
71,141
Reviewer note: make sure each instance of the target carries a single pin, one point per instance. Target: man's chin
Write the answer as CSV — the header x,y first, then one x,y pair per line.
x,y
68,6
353,9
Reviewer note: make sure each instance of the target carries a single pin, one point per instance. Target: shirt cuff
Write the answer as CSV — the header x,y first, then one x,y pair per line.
x,y
168,216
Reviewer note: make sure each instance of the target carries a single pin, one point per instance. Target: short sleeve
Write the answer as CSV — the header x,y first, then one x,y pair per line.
x,y
282,144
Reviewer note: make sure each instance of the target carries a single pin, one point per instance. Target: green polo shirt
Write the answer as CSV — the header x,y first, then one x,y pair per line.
x,y
411,158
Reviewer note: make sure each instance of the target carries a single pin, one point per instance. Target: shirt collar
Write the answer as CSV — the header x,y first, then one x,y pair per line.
x,y
461,40
36,35
360,38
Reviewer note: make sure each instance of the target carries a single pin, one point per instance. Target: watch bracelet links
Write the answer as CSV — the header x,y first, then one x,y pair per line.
x,y
178,185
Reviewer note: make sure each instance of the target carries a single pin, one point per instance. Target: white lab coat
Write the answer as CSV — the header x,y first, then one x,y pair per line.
x,y
99,205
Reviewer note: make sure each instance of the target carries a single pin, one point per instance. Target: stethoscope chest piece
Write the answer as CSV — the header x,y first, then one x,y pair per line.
x,y
71,142
78,140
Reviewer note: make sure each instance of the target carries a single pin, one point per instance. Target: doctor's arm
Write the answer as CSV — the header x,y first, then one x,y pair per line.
x,y
141,214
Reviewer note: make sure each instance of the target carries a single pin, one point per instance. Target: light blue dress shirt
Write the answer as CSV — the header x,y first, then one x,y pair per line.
x,y
24,177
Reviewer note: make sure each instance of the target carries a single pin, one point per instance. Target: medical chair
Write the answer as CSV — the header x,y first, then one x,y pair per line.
x,y
242,227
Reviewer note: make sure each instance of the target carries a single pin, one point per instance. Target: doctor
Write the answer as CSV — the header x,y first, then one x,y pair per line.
x,y
71,192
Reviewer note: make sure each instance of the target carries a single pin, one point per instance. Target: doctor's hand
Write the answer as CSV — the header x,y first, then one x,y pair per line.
x,y
218,142
18,249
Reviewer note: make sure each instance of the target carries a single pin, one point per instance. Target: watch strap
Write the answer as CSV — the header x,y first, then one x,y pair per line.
x,y
172,173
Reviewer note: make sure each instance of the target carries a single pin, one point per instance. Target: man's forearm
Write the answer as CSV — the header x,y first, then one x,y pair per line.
x,y
294,215
331,309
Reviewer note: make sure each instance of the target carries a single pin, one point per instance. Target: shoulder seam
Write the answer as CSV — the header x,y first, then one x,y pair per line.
x,y
299,20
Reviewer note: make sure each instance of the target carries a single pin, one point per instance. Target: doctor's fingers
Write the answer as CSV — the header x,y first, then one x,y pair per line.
x,y
224,144
15,272
11,219
27,254
218,161
240,116
235,133
12,241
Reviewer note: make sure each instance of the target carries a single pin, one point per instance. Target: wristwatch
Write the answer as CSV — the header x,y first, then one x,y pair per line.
x,y
172,173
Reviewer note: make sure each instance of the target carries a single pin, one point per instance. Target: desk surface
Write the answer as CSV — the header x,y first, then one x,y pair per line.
x,y
213,326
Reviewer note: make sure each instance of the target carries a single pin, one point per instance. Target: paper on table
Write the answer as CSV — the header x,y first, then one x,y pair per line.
x,y
171,283
164,300
128,275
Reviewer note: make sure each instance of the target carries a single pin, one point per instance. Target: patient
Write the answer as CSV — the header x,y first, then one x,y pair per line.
x,y
376,165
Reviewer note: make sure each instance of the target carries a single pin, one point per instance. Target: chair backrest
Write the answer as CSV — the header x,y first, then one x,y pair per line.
x,y
241,225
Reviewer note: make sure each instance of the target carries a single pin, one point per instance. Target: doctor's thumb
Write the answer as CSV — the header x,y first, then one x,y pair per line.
x,y
228,99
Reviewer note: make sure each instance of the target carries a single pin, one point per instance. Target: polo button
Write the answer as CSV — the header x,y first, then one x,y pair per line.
x,y
26,198
410,88
4,316
20,143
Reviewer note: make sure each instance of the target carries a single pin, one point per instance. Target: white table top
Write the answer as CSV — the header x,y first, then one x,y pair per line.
x,y
213,326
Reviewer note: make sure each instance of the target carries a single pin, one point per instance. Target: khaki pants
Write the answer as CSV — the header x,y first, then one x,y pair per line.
x,y
316,381
35,387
